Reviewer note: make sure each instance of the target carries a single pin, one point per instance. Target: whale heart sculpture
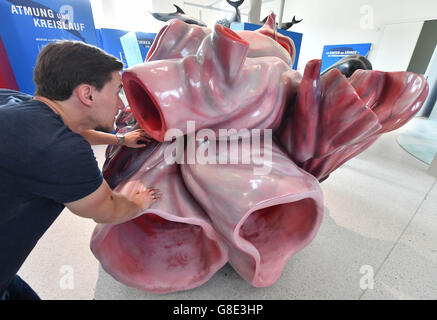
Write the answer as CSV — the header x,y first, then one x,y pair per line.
x,y
218,212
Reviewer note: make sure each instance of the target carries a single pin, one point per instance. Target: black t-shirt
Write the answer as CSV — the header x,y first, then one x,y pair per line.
x,y
43,164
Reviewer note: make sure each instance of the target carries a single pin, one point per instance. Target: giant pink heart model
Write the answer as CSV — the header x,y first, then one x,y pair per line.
x,y
213,213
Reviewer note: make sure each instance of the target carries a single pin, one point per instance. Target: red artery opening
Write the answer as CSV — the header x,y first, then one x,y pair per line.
x,y
144,107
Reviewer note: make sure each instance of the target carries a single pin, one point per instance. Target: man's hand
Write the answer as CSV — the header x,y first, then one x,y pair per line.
x,y
106,206
144,199
136,139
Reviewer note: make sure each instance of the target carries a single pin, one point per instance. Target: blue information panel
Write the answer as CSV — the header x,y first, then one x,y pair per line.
x,y
27,26
333,53
295,36
110,42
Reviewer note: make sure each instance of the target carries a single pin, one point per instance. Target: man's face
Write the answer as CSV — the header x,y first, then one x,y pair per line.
x,y
108,103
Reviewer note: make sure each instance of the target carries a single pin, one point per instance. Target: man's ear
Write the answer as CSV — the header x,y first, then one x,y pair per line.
x,y
84,93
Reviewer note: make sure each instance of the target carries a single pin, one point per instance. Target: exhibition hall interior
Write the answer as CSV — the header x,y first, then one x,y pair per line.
x,y
294,143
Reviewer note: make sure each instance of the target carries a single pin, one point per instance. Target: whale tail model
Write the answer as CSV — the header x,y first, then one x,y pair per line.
x,y
235,4
296,21
285,25
236,17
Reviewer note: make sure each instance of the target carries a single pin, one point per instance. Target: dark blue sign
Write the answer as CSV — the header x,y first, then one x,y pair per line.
x,y
27,26
333,53
110,42
295,36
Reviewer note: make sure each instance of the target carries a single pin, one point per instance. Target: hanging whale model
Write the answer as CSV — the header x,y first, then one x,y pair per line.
x,y
348,65
179,14
285,25
236,17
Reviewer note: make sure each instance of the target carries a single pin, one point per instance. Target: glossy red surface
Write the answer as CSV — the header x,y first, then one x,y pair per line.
x,y
265,219
213,213
335,118
171,246
210,87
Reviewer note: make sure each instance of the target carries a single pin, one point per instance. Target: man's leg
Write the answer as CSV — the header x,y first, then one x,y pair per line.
x,y
18,289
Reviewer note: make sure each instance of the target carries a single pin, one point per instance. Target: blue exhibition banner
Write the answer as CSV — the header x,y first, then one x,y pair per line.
x,y
111,42
27,26
333,53
295,36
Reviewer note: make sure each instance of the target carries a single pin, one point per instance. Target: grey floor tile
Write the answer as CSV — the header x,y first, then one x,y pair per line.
x,y
410,271
369,203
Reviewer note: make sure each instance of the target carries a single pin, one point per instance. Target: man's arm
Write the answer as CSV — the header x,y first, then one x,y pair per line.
x,y
106,206
97,137
133,139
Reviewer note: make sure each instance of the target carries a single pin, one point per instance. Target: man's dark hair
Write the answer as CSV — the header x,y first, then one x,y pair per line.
x,y
62,66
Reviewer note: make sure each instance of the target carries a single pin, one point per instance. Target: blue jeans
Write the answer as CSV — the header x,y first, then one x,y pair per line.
x,y
18,289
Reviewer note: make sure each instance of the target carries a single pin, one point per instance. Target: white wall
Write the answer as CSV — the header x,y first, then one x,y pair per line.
x,y
394,49
129,15
345,21
325,22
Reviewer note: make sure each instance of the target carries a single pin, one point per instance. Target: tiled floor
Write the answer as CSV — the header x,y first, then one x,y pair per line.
x,y
378,240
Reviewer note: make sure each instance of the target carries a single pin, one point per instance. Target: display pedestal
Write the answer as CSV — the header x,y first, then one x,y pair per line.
x,y
419,138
